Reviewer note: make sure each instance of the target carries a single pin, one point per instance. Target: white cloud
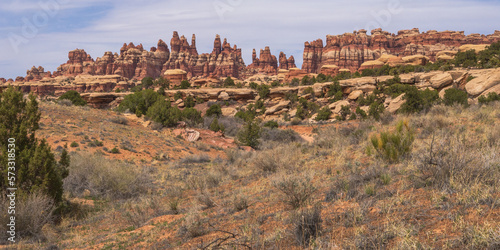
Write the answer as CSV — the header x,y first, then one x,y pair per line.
x,y
282,25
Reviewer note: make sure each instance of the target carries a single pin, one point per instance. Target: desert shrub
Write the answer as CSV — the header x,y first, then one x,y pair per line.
x,y
280,135
308,90
453,162
65,102
249,134
162,112
361,113
345,110
455,96
105,178
231,124
215,126
491,97
292,97
193,226
240,202
140,210
253,85
95,143
32,213
177,95
191,116
276,158
190,159
296,190
271,124
376,108
263,90
466,59
119,120
185,84
37,169
139,102
391,146
115,150
307,225
418,100
490,57
214,110
324,114
189,102
74,144
228,82
74,97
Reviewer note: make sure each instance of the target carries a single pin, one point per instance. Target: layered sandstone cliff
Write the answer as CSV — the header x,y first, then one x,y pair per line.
x,y
351,50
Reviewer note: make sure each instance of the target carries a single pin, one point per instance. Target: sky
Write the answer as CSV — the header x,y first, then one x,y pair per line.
x,y
42,32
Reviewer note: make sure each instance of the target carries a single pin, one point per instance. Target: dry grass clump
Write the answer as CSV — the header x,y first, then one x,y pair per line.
x,y
296,189
278,158
193,225
307,225
140,210
32,213
94,175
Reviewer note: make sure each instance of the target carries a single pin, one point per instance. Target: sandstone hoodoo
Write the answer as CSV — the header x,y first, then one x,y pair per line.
x,y
265,63
175,76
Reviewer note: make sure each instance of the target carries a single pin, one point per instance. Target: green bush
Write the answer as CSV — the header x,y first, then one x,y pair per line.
x,y
491,97
308,90
74,97
74,144
177,95
139,102
189,102
253,85
147,82
466,59
271,124
361,113
376,108
115,150
191,116
324,114
344,112
163,113
249,134
214,110
36,167
490,57
263,90
216,126
453,95
391,146
419,100
228,82
185,85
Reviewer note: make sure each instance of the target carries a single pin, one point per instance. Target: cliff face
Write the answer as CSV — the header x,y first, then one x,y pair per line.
x,y
350,50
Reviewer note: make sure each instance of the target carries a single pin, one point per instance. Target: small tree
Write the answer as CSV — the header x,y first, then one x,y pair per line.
x,y
324,114
228,82
147,82
37,169
216,126
185,85
189,102
162,112
249,135
214,110
453,95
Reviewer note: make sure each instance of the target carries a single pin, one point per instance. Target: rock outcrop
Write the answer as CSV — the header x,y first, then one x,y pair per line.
x,y
351,50
265,63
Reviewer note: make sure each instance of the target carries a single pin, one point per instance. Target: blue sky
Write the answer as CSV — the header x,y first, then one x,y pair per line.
x,y
41,32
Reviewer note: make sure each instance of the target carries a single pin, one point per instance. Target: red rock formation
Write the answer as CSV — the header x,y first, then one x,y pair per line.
x,y
350,50
266,63
3,80
223,61
79,63
35,74
286,63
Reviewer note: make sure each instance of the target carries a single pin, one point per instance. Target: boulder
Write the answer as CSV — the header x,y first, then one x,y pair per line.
x,y
224,96
337,106
441,80
228,111
355,95
478,85
396,104
281,105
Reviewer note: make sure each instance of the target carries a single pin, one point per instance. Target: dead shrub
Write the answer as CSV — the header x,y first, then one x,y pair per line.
x,y
296,190
139,211
193,226
32,213
119,120
307,225
106,178
280,157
